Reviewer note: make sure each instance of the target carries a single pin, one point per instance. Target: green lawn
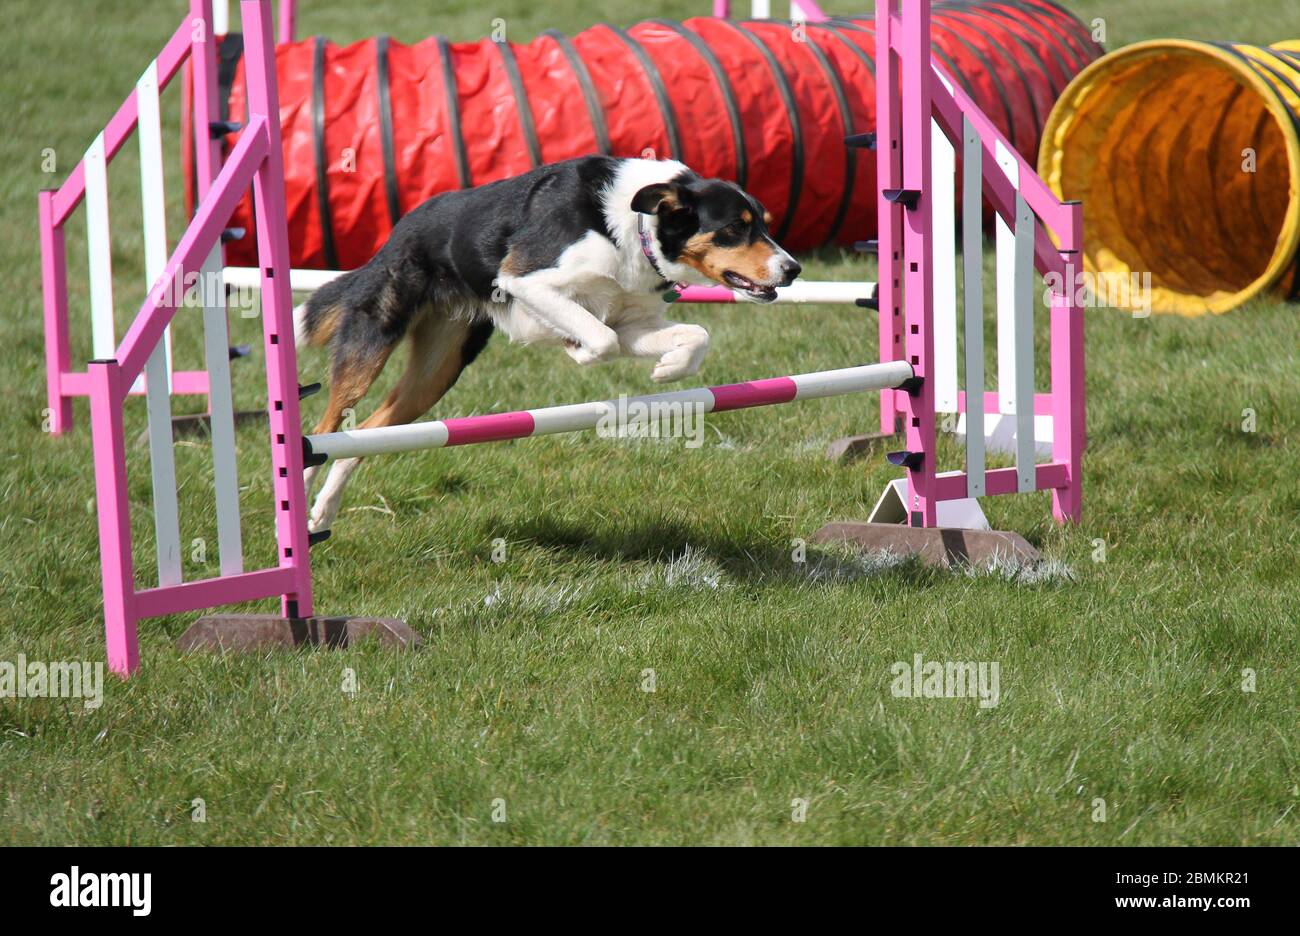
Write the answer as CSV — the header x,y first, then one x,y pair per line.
x,y
1121,662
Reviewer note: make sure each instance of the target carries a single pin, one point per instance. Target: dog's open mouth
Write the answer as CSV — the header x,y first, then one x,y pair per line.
x,y
749,287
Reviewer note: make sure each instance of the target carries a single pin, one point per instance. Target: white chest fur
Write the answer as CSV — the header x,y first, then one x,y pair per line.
x,y
593,274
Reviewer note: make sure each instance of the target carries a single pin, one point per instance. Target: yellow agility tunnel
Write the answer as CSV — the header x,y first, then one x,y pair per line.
x,y
1187,157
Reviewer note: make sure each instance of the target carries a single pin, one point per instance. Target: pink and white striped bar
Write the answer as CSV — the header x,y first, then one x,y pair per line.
x,y
577,417
799,292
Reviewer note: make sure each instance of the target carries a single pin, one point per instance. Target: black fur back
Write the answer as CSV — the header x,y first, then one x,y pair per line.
x,y
448,252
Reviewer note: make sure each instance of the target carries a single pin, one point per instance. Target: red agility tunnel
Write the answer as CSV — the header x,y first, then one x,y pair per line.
x,y
375,128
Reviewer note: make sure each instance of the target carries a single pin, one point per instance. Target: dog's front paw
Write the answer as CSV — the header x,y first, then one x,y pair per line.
x,y
675,365
602,347
690,344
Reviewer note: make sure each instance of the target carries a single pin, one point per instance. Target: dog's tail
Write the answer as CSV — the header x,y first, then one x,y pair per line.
x,y
301,333
317,319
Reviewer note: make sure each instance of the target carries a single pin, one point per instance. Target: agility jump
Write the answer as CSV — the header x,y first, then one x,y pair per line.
x,y
925,120
1012,59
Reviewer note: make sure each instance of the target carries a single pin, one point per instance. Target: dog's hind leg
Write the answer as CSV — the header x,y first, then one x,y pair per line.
x,y
350,379
440,349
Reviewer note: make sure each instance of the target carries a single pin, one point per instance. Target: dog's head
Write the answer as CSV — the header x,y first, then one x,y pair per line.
x,y
719,231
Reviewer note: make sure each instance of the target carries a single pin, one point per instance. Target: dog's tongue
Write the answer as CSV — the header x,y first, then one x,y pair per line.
x,y
749,287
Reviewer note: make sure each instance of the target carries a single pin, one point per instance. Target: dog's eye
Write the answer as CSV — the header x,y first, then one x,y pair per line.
x,y
737,228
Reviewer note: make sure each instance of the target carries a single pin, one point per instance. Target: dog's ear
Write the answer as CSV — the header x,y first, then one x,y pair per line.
x,y
662,198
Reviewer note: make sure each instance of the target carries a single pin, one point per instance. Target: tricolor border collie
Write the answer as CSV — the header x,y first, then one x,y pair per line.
x,y
581,254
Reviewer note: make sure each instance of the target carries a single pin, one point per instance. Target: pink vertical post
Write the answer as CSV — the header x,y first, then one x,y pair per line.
x,y
203,65
288,20
1069,431
277,312
918,249
203,61
721,8
889,175
54,286
106,402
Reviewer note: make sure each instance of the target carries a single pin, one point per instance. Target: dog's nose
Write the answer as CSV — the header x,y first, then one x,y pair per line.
x,y
790,269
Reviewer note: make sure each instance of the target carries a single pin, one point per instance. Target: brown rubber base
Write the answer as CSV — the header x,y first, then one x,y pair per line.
x,y
932,545
243,633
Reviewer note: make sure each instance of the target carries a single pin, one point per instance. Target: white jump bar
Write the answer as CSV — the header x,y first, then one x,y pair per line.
x,y
798,293
299,280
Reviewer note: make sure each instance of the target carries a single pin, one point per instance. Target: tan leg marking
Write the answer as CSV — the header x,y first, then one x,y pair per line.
x,y
434,364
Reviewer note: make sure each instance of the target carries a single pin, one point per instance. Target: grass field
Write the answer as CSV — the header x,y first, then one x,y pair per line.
x,y
1122,664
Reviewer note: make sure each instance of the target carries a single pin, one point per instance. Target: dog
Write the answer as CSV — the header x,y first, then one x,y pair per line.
x,y
580,254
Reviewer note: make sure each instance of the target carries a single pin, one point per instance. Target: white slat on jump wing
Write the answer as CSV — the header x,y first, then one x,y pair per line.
x,y
103,338
943,182
152,194
162,461
166,514
761,9
216,348
972,250
1006,290
1026,473
221,17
